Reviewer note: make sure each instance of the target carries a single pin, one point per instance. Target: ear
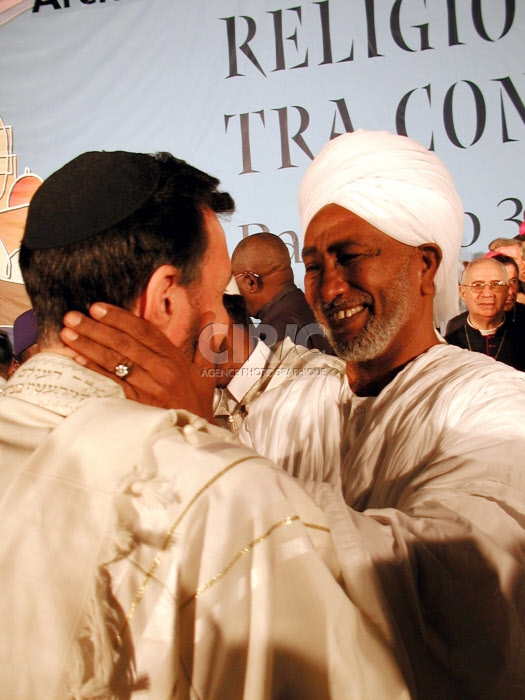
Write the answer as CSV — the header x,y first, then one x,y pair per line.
x,y
164,299
251,283
431,257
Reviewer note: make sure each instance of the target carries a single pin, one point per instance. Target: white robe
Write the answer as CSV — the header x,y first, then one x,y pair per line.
x,y
423,488
221,564
265,369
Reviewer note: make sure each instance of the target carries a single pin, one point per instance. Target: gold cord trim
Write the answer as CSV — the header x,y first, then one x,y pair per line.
x,y
215,579
158,557
314,526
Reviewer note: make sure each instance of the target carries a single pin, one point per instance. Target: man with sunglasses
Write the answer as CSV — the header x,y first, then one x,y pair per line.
x,y
487,328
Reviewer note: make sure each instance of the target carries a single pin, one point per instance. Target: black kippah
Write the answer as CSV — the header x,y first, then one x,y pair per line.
x,y
89,194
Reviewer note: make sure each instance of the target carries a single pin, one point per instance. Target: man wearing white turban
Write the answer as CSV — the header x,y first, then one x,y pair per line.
x,y
416,456
400,188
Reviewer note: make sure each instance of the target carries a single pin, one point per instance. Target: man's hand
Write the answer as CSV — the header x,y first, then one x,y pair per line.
x,y
161,375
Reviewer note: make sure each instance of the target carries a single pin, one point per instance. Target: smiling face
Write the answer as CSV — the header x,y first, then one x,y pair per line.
x,y
364,286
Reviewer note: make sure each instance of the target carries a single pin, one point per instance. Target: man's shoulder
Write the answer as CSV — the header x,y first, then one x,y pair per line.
x,y
447,369
456,322
298,422
289,300
308,394
517,318
457,334
295,300
171,448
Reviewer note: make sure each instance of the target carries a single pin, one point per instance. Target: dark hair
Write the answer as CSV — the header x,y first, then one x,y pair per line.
x,y
506,260
6,354
235,305
116,264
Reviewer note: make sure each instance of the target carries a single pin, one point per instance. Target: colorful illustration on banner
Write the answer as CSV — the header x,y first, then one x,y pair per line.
x,y
9,9
15,194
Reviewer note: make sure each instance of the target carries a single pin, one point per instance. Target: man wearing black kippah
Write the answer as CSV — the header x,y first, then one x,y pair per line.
x,y
416,455
144,552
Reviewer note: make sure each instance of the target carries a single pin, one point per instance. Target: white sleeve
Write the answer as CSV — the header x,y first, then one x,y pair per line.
x,y
298,427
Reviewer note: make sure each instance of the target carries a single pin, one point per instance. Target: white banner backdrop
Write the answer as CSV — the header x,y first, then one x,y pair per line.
x,y
250,90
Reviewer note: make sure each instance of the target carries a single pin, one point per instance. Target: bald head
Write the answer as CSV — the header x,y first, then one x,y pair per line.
x,y
494,268
261,253
261,263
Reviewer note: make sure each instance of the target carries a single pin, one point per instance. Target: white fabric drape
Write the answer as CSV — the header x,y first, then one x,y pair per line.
x,y
427,496
222,564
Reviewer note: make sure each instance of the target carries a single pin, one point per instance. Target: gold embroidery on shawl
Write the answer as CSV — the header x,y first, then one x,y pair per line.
x,y
314,526
158,557
245,550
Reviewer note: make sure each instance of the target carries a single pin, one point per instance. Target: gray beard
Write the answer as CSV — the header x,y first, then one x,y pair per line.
x,y
377,334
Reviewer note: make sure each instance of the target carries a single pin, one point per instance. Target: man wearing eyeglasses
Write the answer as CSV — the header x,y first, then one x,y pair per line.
x,y
487,328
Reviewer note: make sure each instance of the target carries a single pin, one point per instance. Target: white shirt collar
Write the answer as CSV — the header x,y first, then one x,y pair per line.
x,y
251,371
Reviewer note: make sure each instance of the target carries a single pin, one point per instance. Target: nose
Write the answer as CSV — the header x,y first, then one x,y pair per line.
x,y
487,291
332,283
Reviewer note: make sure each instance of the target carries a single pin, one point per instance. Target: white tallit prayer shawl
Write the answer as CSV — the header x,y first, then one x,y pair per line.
x,y
146,554
398,186
427,497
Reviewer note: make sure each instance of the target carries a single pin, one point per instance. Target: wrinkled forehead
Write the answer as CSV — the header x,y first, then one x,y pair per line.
x,y
514,251
335,229
486,271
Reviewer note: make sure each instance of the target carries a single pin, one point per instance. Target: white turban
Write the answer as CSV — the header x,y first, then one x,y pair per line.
x,y
398,186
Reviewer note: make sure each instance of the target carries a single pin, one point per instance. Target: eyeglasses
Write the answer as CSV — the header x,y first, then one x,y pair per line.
x,y
259,276
247,272
496,286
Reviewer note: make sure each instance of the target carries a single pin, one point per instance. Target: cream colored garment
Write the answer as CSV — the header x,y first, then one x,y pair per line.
x,y
398,186
427,496
221,563
284,362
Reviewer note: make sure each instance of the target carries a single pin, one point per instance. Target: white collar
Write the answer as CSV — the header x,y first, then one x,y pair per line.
x,y
58,383
485,331
251,371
